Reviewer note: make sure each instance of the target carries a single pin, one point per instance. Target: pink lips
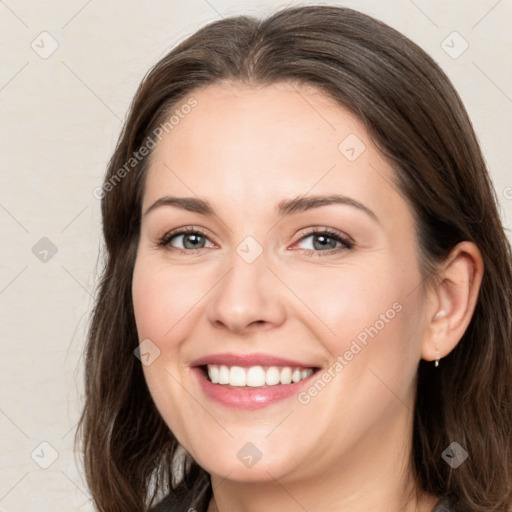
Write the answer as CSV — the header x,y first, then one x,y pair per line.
x,y
248,360
245,397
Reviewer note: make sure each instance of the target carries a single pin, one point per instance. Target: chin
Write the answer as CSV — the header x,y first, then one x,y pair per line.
x,y
244,461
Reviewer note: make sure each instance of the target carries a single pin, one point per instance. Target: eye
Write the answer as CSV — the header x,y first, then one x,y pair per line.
x,y
189,238
325,241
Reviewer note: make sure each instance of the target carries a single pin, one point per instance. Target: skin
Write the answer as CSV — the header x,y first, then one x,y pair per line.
x,y
244,149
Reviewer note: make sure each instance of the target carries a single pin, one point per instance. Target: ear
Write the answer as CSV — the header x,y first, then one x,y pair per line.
x,y
453,300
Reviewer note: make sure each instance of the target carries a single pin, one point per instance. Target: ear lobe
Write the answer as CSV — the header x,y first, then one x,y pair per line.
x,y
455,298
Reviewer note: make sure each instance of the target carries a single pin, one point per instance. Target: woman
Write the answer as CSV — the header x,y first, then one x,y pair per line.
x,y
307,294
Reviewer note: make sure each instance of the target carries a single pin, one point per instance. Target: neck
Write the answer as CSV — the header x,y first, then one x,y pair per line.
x,y
374,475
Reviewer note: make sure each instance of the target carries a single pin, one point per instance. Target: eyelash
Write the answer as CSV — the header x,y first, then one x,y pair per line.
x,y
345,242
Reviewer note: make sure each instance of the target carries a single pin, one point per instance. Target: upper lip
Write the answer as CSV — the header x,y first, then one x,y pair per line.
x,y
230,359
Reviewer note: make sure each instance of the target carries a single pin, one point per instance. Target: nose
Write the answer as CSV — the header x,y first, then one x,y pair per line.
x,y
248,298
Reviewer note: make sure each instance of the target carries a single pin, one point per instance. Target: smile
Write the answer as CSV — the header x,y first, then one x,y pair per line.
x,y
255,376
250,381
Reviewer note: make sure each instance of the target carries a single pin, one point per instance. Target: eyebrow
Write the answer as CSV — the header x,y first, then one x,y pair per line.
x,y
285,207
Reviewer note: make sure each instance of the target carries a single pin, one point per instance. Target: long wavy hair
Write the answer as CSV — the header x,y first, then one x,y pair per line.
x,y
418,122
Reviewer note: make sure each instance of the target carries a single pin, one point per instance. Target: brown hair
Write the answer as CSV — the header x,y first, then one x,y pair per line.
x,y
418,122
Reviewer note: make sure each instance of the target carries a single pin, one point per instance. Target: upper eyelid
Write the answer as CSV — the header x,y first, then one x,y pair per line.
x,y
318,230
185,231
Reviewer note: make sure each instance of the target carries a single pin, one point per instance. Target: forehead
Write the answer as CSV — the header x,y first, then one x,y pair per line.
x,y
246,145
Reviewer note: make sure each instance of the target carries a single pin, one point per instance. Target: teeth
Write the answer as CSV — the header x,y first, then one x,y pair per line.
x,y
256,376
223,375
286,375
273,376
237,376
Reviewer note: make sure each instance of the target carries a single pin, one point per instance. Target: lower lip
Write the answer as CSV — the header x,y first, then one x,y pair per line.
x,y
246,397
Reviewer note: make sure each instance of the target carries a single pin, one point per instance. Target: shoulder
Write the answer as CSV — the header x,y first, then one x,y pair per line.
x,y
442,506
187,500
197,500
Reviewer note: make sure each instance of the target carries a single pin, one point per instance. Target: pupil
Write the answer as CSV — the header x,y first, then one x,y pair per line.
x,y
332,245
190,237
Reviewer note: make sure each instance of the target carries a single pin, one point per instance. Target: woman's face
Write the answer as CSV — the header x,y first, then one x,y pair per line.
x,y
258,299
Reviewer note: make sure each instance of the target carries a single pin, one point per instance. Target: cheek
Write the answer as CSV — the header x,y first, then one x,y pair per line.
x,y
149,305
367,315
341,302
163,299
162,304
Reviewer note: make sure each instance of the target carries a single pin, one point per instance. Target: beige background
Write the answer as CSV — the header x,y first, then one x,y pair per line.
x,y
60,117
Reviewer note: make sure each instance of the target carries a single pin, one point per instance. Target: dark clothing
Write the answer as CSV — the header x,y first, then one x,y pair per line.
x,y
442,506
186,502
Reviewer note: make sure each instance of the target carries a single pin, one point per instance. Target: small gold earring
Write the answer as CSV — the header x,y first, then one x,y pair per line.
x,y
436,364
